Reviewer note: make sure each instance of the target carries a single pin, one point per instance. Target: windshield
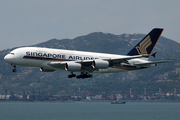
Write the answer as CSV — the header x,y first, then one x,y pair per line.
x,y
11,53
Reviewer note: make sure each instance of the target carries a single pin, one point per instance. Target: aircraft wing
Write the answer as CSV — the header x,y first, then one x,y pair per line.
x,y
148,63
111,61
88,64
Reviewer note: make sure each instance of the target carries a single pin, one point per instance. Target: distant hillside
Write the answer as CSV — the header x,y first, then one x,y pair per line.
x,y
28,78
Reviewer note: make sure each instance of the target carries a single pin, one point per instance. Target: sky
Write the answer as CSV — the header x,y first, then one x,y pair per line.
x,y
29,22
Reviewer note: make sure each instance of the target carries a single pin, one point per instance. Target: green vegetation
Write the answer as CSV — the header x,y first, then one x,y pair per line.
x,y
164,76
69,87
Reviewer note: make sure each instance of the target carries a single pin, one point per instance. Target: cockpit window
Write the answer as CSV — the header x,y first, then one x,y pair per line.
x,y
11,53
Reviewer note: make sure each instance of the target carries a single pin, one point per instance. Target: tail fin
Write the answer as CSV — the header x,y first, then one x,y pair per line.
x,y
147,44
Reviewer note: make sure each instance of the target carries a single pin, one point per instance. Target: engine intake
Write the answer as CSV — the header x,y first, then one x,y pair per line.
x,y
70,66
101,64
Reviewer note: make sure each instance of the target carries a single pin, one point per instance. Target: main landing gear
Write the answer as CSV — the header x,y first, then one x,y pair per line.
x,y
82,75
72,75
14,70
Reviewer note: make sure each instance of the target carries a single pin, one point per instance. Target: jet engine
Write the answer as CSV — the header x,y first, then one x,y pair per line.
x,y
101,64
46,70
71,66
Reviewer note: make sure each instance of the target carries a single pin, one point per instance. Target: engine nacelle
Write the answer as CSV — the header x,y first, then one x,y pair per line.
x,y
101,64
70,66
46,70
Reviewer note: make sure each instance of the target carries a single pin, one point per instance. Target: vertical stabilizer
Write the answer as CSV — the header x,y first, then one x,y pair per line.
x,y
147,44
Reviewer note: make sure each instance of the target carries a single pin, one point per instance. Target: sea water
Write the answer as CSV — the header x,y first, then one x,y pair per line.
x,y
89,111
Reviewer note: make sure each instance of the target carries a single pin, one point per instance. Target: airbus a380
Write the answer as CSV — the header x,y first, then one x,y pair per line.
x,y
49,60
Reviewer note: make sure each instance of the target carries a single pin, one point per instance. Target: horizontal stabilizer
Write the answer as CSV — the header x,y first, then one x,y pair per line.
x,y
149,63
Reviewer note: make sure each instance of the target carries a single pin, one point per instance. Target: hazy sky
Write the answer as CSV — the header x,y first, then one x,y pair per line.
x,y
28,22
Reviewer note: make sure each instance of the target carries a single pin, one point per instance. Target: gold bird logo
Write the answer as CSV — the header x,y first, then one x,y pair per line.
x,y
142,48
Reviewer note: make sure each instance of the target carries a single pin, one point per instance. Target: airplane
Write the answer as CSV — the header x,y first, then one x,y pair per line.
x,y
50,60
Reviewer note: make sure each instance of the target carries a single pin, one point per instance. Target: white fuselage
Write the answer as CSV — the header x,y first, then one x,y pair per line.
x,y
41,57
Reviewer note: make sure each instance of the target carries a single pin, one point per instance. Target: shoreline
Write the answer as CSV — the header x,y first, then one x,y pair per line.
x,y
71,101
131,100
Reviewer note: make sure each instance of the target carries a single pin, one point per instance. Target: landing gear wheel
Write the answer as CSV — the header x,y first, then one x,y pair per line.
x,y
14,70
90,76
82,76
72,75
69,76
78,77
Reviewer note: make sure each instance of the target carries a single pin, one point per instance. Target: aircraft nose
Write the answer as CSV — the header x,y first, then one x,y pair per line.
x,y
8,58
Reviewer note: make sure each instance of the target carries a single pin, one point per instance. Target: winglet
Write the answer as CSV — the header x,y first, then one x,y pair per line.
x,y
147,44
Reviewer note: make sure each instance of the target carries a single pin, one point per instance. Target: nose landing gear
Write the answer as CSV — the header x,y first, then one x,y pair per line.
x,y
14,70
